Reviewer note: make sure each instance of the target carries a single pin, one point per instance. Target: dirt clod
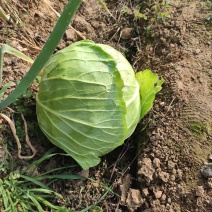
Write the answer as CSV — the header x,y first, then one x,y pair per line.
x,y
146,170
164,176
124,188
134,199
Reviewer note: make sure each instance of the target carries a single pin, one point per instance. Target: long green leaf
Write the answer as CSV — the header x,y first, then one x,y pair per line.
x,y
36,203
37,182
46,156
12,204
44,201
4,196
25,206
8,49
35,163
45,53
61,176
56,169
44,191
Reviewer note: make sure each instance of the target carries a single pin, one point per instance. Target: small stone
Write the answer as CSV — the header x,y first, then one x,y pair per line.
x,y
210,157
172,177
11,78
171,164
85,173
157,194
162,103
145,192
174,171
163,197
95,185
126,33
164,176
70,35
156,163
155,203
12,84
61,45
206,170
179,173
169,200
163,39
180,189
199,202
197,51
209,183
200,191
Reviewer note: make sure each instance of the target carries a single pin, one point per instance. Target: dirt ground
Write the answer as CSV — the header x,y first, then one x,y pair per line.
x,y
167,163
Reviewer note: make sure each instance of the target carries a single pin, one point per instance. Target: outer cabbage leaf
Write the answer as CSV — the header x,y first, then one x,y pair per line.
x,y
82,103
150,85
130,90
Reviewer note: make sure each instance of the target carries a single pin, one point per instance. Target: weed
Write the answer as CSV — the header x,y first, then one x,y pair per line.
x,y
198,129
148,12
24,190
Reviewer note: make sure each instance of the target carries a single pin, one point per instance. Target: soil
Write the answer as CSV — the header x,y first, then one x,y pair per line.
x,y
166,164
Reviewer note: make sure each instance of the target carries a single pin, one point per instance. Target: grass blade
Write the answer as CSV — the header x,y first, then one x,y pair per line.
x,y
44,202
35,163
45,191
25,206
4,197
46,156
2,91
11,204
56,169
34,200
61,176
45,53
105,7
35,181
8,49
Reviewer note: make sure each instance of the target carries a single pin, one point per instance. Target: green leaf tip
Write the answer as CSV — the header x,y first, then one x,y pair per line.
x,y
150,85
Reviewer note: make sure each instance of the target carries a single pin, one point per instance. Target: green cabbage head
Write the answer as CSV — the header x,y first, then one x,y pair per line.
x,y
88,101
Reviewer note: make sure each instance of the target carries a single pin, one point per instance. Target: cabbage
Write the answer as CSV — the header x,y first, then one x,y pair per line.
x,y
88,101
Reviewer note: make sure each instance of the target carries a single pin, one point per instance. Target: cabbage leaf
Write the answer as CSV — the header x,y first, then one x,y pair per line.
x,y
150,85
